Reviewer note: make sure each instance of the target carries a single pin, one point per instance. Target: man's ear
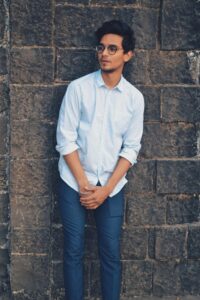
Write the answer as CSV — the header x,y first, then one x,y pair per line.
x,y
128,56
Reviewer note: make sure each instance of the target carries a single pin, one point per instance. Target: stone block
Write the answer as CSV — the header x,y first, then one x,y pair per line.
x,y
3,174
136,70
172,140
91,250
189,276
31,65
146,209
31,22
134,243
194,242
30,240
170,243
137,278
4,214
141,177
176,176
36,103
31,139
166,278
30,273
31,177
57,243
180,104
72,2
3,134
73,64
2,20
167,67
74,30
4,257
151,3
58,280
3,236
180,23
26,295
3,61
182,209
94,279
30,211
4,96
152,103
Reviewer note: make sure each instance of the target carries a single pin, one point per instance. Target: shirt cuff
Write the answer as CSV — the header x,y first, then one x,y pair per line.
x,y
130,155
67,149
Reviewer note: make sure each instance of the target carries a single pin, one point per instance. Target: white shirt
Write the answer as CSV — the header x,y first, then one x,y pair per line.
x,y
102,124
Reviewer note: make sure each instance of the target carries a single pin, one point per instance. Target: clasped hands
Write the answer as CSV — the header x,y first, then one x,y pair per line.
x,y
92,197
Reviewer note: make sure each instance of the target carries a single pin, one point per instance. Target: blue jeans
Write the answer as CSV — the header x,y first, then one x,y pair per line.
x,y
73,216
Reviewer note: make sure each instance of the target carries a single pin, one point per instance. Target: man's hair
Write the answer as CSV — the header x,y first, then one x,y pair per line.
x,y
119,28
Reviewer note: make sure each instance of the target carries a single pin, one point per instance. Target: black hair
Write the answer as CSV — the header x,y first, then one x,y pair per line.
x,y
119,28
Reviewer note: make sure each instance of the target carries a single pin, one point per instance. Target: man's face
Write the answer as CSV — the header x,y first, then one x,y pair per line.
x,y
108,62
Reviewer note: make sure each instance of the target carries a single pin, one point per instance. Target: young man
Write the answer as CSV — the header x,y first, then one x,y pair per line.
x,y
98,137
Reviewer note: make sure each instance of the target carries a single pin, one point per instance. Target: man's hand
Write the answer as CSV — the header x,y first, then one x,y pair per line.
x,y
96,198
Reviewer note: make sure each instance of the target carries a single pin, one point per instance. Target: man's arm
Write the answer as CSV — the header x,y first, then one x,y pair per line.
x,y
100,193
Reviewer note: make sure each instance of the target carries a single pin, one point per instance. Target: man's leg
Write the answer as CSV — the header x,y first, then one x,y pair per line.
x,y
109,229
73,219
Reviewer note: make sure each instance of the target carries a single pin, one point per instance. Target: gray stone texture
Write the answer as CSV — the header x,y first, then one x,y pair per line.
x,y
43,46
31,65
180,23
36,27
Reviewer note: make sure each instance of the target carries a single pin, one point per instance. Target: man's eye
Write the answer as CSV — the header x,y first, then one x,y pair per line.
x,y
112,48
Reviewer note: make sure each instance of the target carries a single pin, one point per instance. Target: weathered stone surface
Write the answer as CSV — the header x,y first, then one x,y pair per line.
x,y
2,20
194,242
4,200
169,67
3,61
145,210
30,211
180,104
180,23
30,178
4,257
172,140
182,209
3,134
152,103
73,64
169,243
152,298
31,65
132,270
91,246
31,22
178,176
3,235
72,1
30,273
141,177
31,295
95,286
73,28
30,240
189,275
134,243
58,281
32,139
36,103
4,96
57,243
136,70
151,242
166,279
3,175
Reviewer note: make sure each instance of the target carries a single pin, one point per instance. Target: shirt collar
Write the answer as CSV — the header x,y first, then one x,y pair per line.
x,y
100,82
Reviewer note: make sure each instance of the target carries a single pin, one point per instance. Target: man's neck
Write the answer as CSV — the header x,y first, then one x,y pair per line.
x,y
111,79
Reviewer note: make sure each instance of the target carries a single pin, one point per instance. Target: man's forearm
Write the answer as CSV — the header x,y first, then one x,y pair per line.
x,y
120,170
73,162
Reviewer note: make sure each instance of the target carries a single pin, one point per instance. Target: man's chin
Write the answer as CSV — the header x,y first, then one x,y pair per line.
x,y
107,70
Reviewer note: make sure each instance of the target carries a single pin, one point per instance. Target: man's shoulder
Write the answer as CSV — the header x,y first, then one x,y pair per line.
x,y
88,78
132,90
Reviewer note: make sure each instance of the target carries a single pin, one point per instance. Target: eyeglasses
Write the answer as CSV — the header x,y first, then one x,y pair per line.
x,y
112,49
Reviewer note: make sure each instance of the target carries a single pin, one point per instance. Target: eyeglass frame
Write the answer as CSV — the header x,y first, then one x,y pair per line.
x,y
107,47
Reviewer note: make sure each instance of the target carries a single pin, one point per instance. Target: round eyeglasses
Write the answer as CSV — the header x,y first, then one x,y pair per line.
x,y
112,49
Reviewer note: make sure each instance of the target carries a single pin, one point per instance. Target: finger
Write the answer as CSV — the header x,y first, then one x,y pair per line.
x,y
91,188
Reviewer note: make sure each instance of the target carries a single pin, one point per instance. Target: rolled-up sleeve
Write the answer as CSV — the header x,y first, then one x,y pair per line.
x,y
68,122
132,138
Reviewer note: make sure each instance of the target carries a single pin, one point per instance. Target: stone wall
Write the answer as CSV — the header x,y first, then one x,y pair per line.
x,y
45,44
